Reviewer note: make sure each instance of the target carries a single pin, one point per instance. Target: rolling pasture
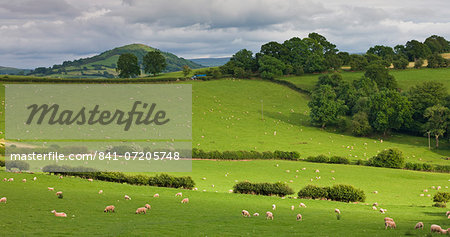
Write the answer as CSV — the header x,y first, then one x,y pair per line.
x,y
27,211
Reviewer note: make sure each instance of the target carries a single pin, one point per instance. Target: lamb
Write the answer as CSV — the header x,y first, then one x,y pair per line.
x,y
435,228
302,205
337,211
109,208
127,197
59,214
141,210
186,200
24,180
246,213
299,217
58,193
3,199
156,195
389,224
51,189
100,192
419,225
90,180
178,195
256,214
269,215
147,206
274,207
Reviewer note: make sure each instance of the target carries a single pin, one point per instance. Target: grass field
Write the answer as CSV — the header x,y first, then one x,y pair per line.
x,y
27,211
405,78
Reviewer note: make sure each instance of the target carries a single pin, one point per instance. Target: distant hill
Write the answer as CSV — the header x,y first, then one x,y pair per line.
x,y
104,64
13,71
211,62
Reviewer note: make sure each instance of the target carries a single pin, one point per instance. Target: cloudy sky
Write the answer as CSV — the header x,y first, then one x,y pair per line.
x,y
45,32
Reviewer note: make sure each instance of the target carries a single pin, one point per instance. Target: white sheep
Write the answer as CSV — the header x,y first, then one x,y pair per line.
x,y
186,200
269,215
375,192
230,191
148,207
195,189
390,224
246,213
3,199
292,207
141,210
24,180
382,211
5,179
51,189
178,195
375,204
127,197
302,205
419,225
59,214
438,188
299,217
109,209
256,214
388,219
422,195
156,195
90,180
337,211
34,179
435,228
274,207
58,193
425,190
447,213
60,177
317,171
10,179
100,192
374,208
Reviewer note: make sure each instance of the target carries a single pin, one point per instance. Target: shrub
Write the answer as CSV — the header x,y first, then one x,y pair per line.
x,y
318,159
402,63
418,63
325,159
241,155
389,158
346,193
360,124
441,197
339,160
18,164
314,192
267,189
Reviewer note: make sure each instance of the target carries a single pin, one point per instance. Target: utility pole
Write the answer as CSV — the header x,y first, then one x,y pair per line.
x,y
262,110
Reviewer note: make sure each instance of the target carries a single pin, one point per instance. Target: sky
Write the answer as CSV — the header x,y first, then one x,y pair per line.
x,y
36,33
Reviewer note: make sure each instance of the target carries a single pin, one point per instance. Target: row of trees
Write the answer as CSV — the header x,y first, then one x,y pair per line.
x,y
128,66
375,104
316,54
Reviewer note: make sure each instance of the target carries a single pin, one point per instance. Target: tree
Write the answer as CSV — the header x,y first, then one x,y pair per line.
x,y
127,66
385,52
325,107
425,95
380,75
418,63
328,48
400,63
345,57
388,109
333,61
154,62
270,67
438,119
414,50
360,124
389,158
244,59
437,44
358,62
186,70
436,60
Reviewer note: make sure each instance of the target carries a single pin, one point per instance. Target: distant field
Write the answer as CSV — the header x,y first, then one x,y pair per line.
x,y
405,78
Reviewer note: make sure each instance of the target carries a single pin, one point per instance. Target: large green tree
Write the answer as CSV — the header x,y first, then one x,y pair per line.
x,y
244,59
154,62
437,44
270,67
380,75
127,66
415,50
438,120
325,107
425,95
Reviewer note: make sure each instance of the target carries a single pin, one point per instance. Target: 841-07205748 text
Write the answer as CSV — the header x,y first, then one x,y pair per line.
x,y
133,155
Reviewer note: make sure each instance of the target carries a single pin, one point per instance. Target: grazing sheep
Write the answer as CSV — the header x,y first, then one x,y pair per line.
x,y
90,180
51,189
156,195
274,207
374,208
422,195
317,171
425,190
337,211
5,179
433,187
256,214
60,177
10,179
212,185
34,179
382,210
375,204
246,213
195,189
178,195
302,205
100,192
447,213
141,210
127,197
438,188
109,208
389,224
435,228
58,193
186,200
24,180
292,207
3,199
303,168
419,225
148,207
388,219
299,217
204,178
269,215
59,214
332,171
375,192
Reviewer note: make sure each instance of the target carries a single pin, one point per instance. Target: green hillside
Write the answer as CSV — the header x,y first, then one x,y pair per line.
x,y
104,64
13,71
211,62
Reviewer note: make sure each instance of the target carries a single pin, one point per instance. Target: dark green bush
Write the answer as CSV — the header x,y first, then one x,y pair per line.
x,y
314,192
17,164
325,159
441,197
245,155
267,189
340,192
339,160
389,158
